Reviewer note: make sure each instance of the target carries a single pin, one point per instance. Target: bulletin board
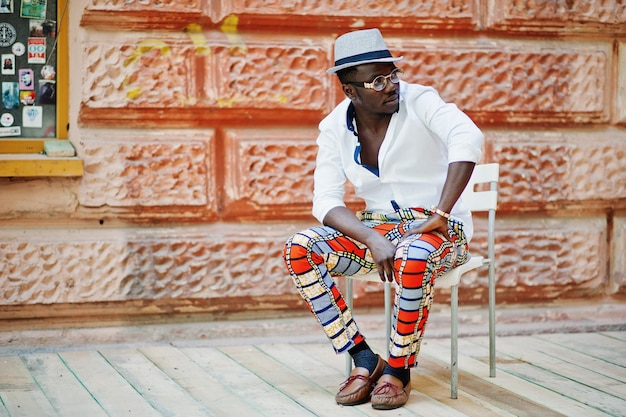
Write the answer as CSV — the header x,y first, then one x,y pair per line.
x,y
28,49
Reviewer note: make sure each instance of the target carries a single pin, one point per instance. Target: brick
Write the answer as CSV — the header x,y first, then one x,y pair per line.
x,y
275,73
542,169
501,81
617,277
620,97
139,72
271,14
153,6
272,173
544,257
557,14
51,266
28,198
148,169
213,71
272,170
363,8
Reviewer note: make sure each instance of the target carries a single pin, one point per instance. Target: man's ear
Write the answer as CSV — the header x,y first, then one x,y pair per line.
x,y
348,90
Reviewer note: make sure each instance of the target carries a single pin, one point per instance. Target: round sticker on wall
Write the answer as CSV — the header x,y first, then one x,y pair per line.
x,y
48,72
18,48
8,35
6,119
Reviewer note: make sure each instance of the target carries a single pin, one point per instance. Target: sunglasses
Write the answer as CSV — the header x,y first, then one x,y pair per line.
x,y
380,83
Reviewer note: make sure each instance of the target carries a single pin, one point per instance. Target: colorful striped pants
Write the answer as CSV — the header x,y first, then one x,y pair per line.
x,y
314,256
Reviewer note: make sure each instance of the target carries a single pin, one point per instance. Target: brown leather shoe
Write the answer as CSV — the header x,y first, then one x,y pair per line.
x,y
359,385
389,393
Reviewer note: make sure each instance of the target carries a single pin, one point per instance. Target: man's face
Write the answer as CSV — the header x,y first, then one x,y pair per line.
x,y
26,78
385,101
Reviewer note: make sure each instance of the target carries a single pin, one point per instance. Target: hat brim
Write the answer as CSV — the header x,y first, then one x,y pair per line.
x,y
334,70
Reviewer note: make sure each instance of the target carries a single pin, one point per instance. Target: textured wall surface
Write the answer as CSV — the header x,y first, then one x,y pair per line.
x,y
197,119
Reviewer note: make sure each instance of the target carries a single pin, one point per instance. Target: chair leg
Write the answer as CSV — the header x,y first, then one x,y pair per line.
x,y
492,320
454,342
349,301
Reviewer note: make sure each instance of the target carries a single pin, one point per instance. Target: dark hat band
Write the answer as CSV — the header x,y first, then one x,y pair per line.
x,y
364,57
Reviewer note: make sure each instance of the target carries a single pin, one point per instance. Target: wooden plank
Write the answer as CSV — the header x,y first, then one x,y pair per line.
x,y
571,381
203,387
116,396
21,145
317,400
615,335
3,411
468,352
61,387
476,396
581,359
315,370
432,384
19,392
268,401
576,369
592,344
156,387
39,167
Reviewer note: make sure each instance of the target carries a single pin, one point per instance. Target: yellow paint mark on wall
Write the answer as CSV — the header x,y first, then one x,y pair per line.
x,y
145,47
229,28
133,93
196,35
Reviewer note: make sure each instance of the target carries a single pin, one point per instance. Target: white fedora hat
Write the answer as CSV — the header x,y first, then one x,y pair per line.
x,y
360,47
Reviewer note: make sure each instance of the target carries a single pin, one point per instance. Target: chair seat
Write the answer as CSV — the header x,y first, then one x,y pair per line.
x,y
447,280
453,277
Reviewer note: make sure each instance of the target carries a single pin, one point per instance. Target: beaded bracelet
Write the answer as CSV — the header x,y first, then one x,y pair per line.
x,y
442,213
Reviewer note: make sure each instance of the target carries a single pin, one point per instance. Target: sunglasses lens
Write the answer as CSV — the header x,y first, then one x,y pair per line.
x,y
395,76
379,83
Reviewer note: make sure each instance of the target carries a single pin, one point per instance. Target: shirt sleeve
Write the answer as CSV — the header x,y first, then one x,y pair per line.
x,y
329,177
459,133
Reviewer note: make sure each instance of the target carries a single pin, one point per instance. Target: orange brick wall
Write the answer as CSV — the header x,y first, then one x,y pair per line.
x,y
196,121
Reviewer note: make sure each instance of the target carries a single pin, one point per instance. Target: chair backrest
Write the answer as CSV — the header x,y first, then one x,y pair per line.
x,y
482,200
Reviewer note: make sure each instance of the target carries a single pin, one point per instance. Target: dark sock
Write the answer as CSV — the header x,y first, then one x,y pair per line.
x,y
402,374
364,357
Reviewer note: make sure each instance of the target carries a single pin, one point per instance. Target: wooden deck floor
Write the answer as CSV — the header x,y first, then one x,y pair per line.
x,y
569,374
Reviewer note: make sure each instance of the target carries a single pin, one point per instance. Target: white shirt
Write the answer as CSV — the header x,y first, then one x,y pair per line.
x,y
423,137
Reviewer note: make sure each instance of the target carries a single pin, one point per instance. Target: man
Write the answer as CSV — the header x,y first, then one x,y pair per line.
x,y
409,155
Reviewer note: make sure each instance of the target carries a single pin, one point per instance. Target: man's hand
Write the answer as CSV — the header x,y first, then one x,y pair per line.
x,y
435,223
383,252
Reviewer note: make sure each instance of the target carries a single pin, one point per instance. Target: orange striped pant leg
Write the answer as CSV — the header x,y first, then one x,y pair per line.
x,y
419,260
312,257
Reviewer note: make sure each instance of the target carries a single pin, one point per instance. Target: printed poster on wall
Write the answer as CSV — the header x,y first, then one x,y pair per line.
x,y
35,9
36,50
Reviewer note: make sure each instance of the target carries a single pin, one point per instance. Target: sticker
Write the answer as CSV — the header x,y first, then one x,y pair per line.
x,y
8,64
10,131
47,92
10,95
35,28
48,72
26,79
8,35
27,98
36,50
18,48
6,6
32,116
33,8
39,28
6,119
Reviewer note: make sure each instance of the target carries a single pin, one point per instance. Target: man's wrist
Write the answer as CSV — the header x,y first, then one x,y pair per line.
x,y
440,212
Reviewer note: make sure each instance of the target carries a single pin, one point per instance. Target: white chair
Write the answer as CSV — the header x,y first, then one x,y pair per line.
x,y
475,201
